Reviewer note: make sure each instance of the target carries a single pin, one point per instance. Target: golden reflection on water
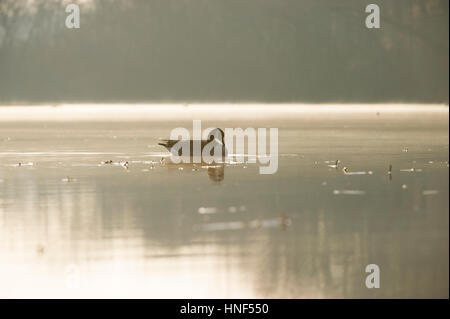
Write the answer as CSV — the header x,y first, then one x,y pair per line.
x,y
71,227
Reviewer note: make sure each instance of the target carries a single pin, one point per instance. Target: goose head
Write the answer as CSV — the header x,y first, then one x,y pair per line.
x,y
217,134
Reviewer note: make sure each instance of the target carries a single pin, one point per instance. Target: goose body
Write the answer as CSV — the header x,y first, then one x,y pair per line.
x,y
215,141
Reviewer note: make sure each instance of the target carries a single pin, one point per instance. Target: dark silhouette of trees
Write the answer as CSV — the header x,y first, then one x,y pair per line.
x,y
223,50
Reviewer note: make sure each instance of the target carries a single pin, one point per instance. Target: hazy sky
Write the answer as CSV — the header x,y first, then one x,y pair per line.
x,y
224,50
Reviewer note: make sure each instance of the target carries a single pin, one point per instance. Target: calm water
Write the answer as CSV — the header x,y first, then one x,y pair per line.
x,y
72,227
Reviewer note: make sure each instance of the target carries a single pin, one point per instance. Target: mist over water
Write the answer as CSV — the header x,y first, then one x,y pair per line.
x,y
73,226
92,207
254,51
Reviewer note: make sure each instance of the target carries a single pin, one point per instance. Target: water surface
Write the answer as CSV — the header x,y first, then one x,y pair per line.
x,y
73,227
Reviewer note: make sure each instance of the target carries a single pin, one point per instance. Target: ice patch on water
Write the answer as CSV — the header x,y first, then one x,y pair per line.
x,y
207,210
411,170
430,192
348,192
346,172
238,225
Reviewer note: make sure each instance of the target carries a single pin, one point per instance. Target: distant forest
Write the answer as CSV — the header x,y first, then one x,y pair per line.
x,y
224,51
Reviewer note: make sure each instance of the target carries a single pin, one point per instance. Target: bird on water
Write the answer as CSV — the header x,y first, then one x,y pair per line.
x,y
215,142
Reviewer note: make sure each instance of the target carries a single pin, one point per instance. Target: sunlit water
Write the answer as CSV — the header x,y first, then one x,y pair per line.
x,y
71,226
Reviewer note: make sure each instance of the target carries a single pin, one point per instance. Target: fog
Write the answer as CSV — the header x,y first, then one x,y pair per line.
x,y
223,51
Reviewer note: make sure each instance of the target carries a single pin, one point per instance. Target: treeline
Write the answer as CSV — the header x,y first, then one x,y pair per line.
x,y
223,50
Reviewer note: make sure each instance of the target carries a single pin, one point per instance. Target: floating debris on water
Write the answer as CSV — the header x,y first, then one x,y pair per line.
x,y
211,166
270,223
346,172
180,168
430,192
124,165
68,179
214,210
234,209
348,192
282,223
107,162
411,170
20,164
151,163
405,150
404,186
219,226
335,165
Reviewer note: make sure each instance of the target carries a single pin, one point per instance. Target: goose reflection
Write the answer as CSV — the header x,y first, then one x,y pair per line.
x,y
216,172
215,146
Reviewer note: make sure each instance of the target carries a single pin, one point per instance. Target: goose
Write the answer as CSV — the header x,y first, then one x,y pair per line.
x,y
215,139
